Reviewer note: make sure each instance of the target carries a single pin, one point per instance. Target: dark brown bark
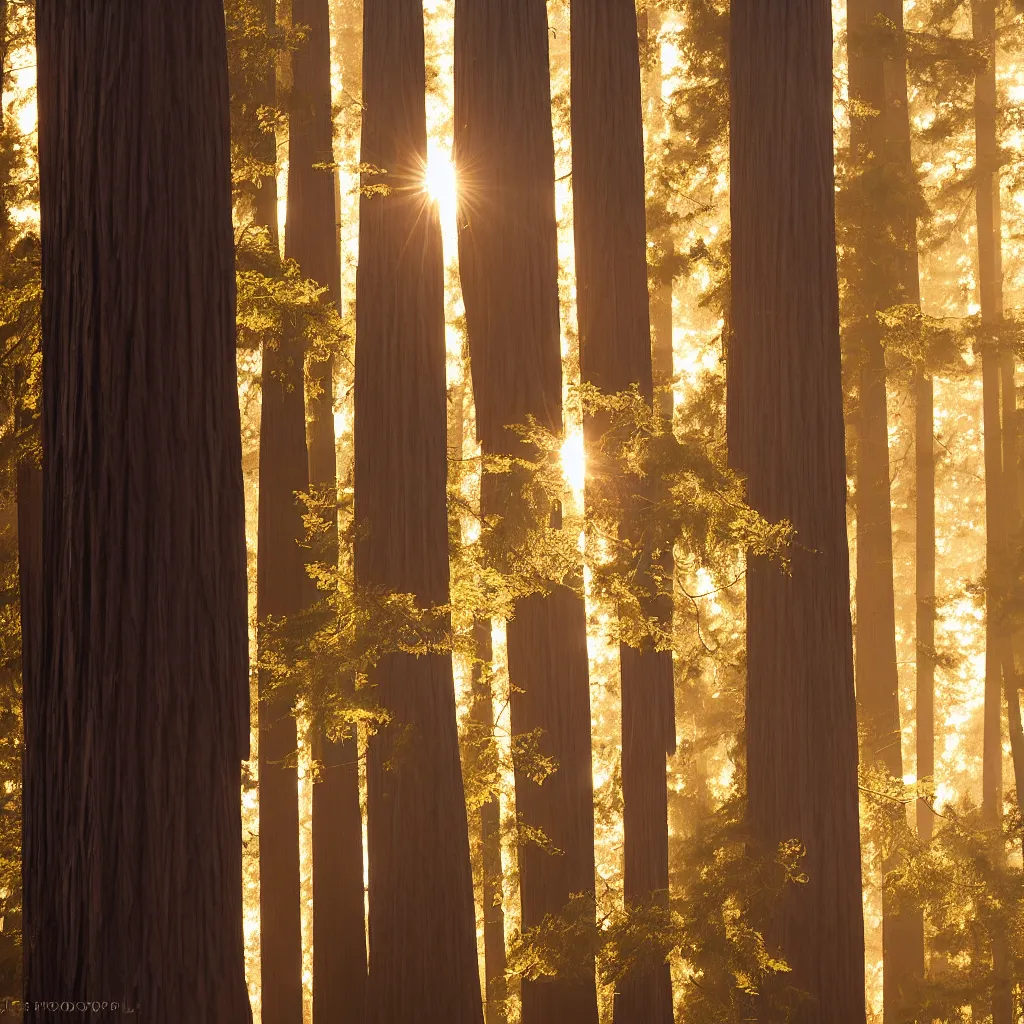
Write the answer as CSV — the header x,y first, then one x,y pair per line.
x,y
282,589
423,955
615,354
881,152
785,430
138,712
509,271
311,239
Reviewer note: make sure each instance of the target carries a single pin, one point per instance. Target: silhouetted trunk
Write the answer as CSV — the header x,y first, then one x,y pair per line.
x,y
509,271
785,428
1000,472
423,955
283,588
311,239
615,354
137,711
881,153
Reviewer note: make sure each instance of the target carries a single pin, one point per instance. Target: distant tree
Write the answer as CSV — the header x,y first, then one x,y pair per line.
x,y
137,708
615,355
339,928
423,955
999,413
786,435
508,266
882,272
283,588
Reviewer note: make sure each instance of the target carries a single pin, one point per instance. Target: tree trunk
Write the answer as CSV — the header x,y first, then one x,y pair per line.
x,y
283,588
785,428
311,239
423,955
924,465
495,960
999,458
509,270
615,354
137,713
881,151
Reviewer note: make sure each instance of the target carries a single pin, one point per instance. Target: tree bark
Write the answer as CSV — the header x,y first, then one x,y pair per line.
x,y
785,429
137,712
880,147
509,271
423,955
283,588
311,239
999,462
615,354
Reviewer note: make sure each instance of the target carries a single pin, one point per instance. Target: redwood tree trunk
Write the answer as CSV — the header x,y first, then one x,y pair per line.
x,y
785,427
283,588
881,151
615,354
137,711
509,271
999,473
339,928
423,955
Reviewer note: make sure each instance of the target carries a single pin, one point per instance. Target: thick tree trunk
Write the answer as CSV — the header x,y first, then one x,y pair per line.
x,y
881,149
283,588
785,429
423,955
311,239
509,272
137,713
615,354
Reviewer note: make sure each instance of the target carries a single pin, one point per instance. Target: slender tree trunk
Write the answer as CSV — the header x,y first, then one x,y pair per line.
x,y
924,427
785,430
661,285
423,955
615,354
137,711
999,474
311,239
509,271
881,147
283,588
495,961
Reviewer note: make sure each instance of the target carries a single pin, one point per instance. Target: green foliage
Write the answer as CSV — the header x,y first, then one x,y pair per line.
x,y
967,881
706,931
